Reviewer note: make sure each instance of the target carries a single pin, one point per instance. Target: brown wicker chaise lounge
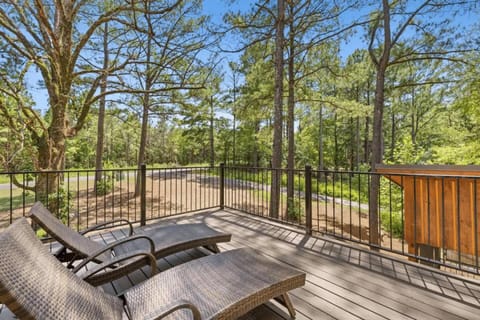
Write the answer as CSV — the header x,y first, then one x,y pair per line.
x,y
35,285
142,247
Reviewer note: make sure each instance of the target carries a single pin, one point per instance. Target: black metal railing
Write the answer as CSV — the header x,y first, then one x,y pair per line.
x,y
428,218
248,190
134,194
432,219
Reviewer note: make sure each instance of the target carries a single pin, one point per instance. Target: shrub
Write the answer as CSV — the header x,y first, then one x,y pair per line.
x,y
294,209
59,203
41,233
105,184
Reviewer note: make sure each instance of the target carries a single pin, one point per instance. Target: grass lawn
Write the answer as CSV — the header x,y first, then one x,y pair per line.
x,y
18,199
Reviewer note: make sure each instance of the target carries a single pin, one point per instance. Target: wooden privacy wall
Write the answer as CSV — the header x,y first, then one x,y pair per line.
x,y
441,206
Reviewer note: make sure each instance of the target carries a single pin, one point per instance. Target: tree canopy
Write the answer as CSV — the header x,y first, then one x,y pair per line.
x,y
360,83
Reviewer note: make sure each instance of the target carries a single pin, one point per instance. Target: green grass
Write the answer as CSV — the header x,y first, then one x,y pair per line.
x,y
354,188
18,199
333,187
5,178
82,172
17,195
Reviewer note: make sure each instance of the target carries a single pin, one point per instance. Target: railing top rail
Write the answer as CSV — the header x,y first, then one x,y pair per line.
x,y
263,168
466,174
430,167
430,170
103,170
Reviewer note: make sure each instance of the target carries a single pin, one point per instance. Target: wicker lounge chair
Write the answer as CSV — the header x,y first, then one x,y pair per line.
x,y
35,285
128,254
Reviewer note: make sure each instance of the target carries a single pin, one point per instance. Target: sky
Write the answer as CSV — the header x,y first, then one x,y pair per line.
x,y
216,9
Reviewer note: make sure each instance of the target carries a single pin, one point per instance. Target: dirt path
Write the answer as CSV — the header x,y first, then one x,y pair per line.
x,y
185,191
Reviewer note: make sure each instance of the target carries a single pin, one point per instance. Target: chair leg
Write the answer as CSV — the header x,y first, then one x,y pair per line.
x,y
73,258
213,247
284,299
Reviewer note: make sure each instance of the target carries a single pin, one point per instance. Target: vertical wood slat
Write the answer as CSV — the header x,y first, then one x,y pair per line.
x,y
427,198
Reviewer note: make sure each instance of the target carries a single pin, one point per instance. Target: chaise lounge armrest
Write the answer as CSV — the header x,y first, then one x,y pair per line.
x,y
104,224
115,261
61,253
168,309
111,247
114,267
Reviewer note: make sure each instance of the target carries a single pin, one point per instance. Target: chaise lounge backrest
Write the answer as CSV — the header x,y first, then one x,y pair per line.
x,y
67,237
50,291
35,285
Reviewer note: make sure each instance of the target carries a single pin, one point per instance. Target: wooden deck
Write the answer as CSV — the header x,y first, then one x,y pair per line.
x,y
342,282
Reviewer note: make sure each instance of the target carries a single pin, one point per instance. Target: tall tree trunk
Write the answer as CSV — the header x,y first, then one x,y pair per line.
x,y
357,133
321,165
377,141
291,117
357,143
392,141
211,138
414,122
278,105
234,116
101,111
255,145
366,146
51,151
366,142
335,141
51,143
146,102
377,157
352,145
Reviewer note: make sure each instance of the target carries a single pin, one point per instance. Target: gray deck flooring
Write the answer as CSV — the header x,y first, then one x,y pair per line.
x,y
343,282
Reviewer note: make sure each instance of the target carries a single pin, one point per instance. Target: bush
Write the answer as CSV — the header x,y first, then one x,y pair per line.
x,y
105,184
59,203
294,209
391,202
41,233
393,223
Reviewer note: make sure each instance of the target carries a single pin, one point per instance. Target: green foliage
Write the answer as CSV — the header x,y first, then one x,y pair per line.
x,y
295,209
391,207
15,145
80,151
41,233
120,142
352,188
107,180
392,222
431,111
409,153
59,203
105,185
343,186
463,131
16,201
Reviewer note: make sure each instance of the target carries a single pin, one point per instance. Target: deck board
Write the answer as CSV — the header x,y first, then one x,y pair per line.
x,y
343,282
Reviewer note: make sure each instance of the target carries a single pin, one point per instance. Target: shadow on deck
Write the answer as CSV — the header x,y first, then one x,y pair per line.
x,y
343,282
